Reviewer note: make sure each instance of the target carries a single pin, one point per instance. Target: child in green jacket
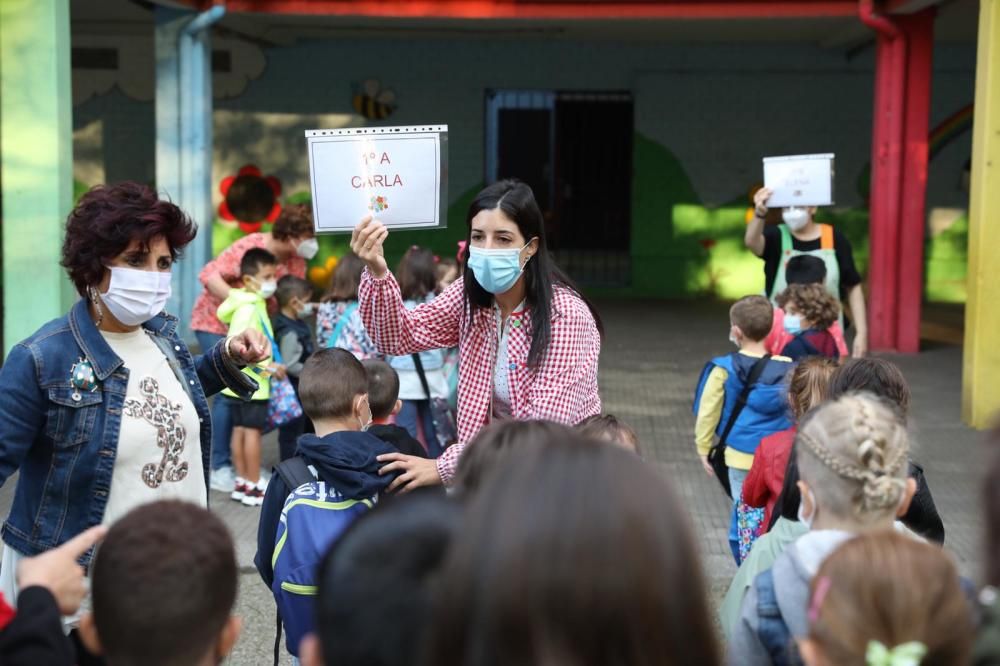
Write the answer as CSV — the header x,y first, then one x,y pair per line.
x,y
244,309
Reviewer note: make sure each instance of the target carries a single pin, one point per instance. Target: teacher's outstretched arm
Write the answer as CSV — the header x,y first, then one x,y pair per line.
x,y
394,329
754,236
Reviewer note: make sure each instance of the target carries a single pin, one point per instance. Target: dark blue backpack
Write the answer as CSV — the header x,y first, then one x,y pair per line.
x,y
313,517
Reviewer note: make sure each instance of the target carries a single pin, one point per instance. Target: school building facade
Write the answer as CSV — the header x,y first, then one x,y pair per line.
x,y
640,126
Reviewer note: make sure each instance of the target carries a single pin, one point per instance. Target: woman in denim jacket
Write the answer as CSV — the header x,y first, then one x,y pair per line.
x,y
105,409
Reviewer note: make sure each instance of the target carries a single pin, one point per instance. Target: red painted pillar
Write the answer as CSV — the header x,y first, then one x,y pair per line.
x,y
903,60
919,32
887,138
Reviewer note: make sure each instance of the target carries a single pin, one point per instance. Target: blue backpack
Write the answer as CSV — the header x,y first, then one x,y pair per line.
x,y
314,516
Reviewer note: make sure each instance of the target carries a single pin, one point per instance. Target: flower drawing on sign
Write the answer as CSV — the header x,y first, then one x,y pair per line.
x,y
250,199
378,204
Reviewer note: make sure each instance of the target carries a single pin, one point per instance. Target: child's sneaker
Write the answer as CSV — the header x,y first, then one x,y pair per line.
x,y
240,490
253,496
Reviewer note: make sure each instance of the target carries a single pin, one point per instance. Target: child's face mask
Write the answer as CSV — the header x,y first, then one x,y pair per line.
x,y
302,309
265,288
361,421
792,324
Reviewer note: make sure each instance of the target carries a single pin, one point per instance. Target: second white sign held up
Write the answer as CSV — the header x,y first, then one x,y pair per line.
x,y
799,180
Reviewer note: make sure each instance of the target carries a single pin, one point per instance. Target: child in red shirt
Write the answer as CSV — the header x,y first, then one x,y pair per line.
x,y
803,269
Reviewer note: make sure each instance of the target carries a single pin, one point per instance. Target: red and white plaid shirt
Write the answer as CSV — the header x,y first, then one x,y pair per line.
x,y
562,388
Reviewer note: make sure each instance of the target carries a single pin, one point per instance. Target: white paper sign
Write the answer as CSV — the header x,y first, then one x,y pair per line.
x,y
799,180
396,174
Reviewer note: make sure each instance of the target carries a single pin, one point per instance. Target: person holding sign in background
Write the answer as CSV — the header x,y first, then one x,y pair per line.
x,y
800,234
528,340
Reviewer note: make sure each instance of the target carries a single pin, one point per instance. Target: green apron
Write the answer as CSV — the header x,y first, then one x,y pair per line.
x,y
826,253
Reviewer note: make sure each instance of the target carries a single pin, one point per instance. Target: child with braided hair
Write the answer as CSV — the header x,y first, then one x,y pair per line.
x,y
884,599
851,455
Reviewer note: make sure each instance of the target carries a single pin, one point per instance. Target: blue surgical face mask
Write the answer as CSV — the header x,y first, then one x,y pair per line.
x,y
496,270
793,324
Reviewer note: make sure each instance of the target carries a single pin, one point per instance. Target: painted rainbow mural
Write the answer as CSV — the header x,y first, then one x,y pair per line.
x,y
948,129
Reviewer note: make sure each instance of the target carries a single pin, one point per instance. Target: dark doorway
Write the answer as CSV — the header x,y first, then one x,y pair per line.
x,y
525,150
575,151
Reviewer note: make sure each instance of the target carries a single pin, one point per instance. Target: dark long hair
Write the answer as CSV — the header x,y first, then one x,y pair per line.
x,y
572,552
417,274
517,202
345,280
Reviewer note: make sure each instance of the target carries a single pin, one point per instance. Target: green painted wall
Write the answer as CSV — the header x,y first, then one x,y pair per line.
x,y
680,248
36,159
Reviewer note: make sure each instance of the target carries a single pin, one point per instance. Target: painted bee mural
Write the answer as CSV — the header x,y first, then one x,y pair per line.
x,y
374,103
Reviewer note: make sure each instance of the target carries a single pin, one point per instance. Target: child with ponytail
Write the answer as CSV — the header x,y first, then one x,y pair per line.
x,y
807,388
885,599
851,455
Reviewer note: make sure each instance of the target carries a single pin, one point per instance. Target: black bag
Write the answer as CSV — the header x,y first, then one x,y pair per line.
x,y
717,454
441,414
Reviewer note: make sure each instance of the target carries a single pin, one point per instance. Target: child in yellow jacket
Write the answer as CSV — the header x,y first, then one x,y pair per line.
x,y
244,309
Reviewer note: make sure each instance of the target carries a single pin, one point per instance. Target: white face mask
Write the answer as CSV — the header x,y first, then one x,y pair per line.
x,y
795,217
364,426
267,288
308,248
306,311
134,296
808,522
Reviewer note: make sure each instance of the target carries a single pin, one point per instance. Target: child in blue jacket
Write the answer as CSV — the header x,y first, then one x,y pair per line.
x,y
723,381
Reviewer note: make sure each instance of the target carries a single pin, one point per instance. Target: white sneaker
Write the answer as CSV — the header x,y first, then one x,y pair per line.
x,y
240,490
253,496
222,479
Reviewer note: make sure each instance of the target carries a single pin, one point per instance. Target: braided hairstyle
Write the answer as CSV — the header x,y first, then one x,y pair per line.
x,y
852,452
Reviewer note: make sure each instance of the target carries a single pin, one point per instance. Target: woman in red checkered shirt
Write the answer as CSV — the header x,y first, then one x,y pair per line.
x,y
528,340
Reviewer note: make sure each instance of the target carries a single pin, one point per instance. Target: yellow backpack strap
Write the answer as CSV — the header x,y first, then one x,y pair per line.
x,y
826,237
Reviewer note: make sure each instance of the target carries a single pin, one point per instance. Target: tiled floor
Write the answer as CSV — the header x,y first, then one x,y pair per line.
x,y
651,358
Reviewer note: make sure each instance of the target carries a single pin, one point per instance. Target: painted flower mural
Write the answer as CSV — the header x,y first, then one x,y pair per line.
x,y
249,199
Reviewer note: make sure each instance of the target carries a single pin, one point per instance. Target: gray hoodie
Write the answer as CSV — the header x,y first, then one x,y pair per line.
x,y
793,571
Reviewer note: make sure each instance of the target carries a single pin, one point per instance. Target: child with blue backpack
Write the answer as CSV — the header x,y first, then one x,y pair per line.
x,y
313,496
740,399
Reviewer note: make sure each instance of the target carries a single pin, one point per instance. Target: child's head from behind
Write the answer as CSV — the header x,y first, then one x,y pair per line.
x,y
295,293
805,269
417,274
333,390
497,443
750,319
447,272
852,457
886,592
346,279
609,428
810,384
383,388
258,270
376,583
163,585
811,303
574,552
873,375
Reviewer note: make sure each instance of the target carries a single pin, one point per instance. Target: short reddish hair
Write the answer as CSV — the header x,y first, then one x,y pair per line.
x,y
108,218
295,221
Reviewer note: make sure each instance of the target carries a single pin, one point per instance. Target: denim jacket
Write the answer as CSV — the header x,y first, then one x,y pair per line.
x,y
64,440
